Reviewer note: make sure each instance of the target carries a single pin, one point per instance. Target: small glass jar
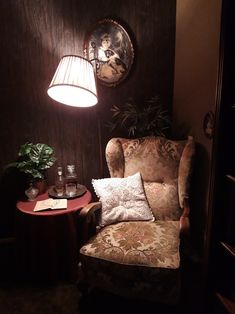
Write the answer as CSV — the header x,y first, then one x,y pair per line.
x,y
31,192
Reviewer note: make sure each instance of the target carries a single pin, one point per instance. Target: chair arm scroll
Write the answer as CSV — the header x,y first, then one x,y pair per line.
x,y
88,210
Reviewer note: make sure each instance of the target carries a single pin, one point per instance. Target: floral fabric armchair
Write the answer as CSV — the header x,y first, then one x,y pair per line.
x,y
140,257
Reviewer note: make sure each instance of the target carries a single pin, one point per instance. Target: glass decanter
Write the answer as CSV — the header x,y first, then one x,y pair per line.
x,y
59,182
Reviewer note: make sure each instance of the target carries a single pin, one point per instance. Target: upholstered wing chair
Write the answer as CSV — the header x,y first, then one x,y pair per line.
x,y
138,256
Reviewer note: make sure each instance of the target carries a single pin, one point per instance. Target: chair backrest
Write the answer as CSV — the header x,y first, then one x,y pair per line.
x,y
165,166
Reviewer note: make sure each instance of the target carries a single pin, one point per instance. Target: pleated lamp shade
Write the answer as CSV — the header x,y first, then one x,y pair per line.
x,y
74,83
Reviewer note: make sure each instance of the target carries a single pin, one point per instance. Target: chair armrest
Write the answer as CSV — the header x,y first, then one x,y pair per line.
x,y
87,221
88,210
184,219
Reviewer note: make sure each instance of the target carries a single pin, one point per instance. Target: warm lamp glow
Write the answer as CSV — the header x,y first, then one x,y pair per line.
x,y
74,83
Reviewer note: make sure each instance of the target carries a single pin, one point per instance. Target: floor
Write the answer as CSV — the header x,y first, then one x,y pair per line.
x,y
20,297
65,298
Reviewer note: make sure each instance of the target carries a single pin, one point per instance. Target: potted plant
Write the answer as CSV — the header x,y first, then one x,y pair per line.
x,y
148,119
34,160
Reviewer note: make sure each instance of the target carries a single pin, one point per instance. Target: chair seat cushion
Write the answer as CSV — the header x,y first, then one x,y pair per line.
x,y
139,243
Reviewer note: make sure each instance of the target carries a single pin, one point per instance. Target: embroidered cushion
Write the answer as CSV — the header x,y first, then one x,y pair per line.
x,y
122,199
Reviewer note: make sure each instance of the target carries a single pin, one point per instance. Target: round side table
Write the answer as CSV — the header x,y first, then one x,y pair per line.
x,y
48,248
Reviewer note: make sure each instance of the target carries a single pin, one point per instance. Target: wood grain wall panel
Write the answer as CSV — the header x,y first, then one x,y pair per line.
x,y
35,35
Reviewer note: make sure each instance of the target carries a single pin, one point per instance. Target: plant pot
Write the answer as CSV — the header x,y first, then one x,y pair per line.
x,y
41,185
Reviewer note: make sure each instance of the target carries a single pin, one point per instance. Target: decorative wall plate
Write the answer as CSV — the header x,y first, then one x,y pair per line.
x,y
109,48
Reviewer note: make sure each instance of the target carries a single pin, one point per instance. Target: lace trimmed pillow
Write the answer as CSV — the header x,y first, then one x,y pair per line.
x,y
123,199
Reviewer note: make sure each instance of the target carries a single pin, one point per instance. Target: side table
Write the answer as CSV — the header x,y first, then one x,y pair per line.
x,y
47,241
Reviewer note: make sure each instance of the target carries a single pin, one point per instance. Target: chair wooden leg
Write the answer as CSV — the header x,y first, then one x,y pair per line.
x,y
82,284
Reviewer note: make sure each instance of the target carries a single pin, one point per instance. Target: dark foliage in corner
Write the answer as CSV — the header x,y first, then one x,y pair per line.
x,y
150,119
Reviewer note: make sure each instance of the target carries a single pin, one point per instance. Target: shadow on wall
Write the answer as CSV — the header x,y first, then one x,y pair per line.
x,y
200,181
12,186
198,192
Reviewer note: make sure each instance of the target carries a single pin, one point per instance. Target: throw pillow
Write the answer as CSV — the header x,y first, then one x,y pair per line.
x,y
123,199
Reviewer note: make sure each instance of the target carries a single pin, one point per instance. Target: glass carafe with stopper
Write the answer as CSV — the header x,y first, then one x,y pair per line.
x,y
71,181
59,182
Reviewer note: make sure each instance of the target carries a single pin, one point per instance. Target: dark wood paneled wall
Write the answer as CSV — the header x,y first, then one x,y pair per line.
x,y
35,35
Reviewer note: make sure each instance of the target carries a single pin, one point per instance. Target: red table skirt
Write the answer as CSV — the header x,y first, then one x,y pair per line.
x,y
48,245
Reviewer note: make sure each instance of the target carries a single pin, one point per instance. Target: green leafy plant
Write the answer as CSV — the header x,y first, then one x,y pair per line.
x,y
149,119
34,160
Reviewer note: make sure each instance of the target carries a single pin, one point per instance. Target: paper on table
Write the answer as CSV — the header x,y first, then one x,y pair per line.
x,y
50,203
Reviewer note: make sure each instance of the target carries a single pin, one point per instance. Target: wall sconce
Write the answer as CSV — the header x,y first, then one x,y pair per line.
x,y
74,83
